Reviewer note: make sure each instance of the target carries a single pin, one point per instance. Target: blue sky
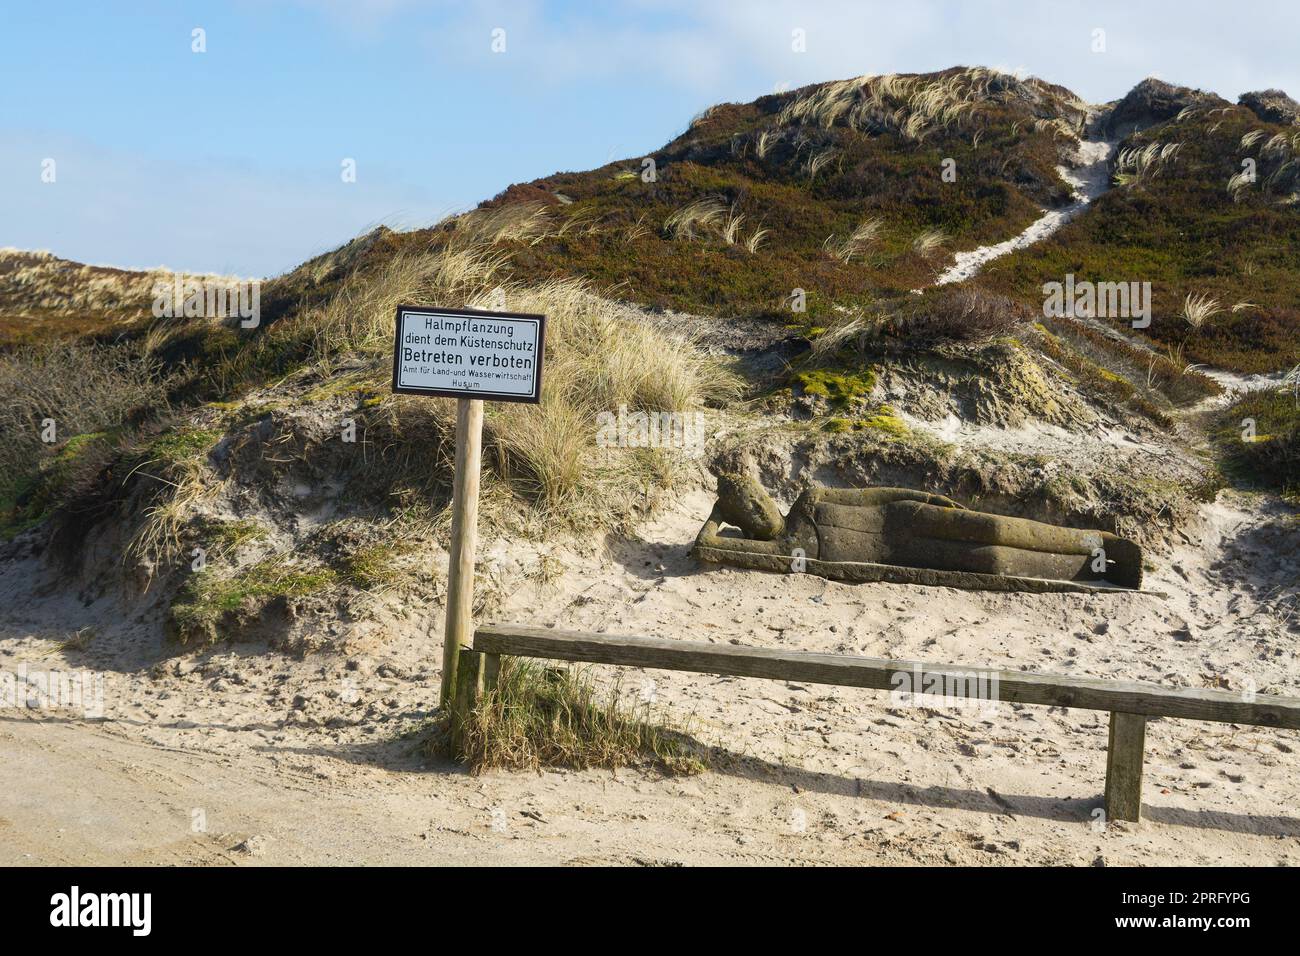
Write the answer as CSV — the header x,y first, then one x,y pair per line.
x,y
230,160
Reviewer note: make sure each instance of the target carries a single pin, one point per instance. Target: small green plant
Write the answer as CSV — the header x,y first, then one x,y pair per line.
x,y
223,536
372,568
183,444
540,716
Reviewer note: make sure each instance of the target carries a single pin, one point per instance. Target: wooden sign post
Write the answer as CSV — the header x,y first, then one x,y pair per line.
x,y
459,629
471,356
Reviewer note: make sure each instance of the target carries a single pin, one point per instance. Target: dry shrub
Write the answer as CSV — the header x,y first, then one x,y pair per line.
x,y
965,315
84,389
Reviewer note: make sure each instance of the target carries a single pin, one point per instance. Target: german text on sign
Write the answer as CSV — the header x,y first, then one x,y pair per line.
x,y
467,353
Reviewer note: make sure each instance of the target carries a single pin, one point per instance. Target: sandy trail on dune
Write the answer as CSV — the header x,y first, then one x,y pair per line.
x,y
1089,180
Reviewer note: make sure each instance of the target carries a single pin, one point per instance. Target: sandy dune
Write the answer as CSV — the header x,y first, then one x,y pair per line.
x,y
286,761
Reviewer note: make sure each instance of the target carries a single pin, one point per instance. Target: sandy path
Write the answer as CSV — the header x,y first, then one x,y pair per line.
x,y
1089,180
269,748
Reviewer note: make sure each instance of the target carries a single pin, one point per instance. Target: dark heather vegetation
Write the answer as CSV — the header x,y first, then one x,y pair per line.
x,y
834,189
1219,250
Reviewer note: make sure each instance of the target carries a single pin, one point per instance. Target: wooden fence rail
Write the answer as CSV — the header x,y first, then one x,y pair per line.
x,y
1129,703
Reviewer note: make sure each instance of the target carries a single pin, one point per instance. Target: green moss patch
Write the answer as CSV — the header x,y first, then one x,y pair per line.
x,y
884,424
224,536
27,499
183,444
838,387
373,567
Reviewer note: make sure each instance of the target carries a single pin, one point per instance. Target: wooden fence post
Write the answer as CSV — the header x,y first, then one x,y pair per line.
x,y
1124,766
491,671
469,689
459,630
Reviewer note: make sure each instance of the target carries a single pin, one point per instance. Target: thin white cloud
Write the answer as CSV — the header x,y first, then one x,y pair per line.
x,y
115,208
735,49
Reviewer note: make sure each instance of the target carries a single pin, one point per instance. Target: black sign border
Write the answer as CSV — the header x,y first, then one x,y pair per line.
x,y
532,399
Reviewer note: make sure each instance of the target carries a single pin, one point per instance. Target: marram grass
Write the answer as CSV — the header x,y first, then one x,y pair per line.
x,y
546,716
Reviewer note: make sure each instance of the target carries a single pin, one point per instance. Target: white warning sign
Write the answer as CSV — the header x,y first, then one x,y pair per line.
x,y
468,353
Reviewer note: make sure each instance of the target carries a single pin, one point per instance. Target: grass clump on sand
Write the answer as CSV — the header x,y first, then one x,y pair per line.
x,y
372,568
1272,457
539,716
206,599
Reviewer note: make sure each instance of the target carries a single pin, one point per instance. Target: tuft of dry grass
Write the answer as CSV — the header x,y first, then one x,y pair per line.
x,y
526,222
850,329
731,229
1139,164
856,242
1199,308
359,317
1253,137
176,463
541,716
684,223
929,241
818,161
